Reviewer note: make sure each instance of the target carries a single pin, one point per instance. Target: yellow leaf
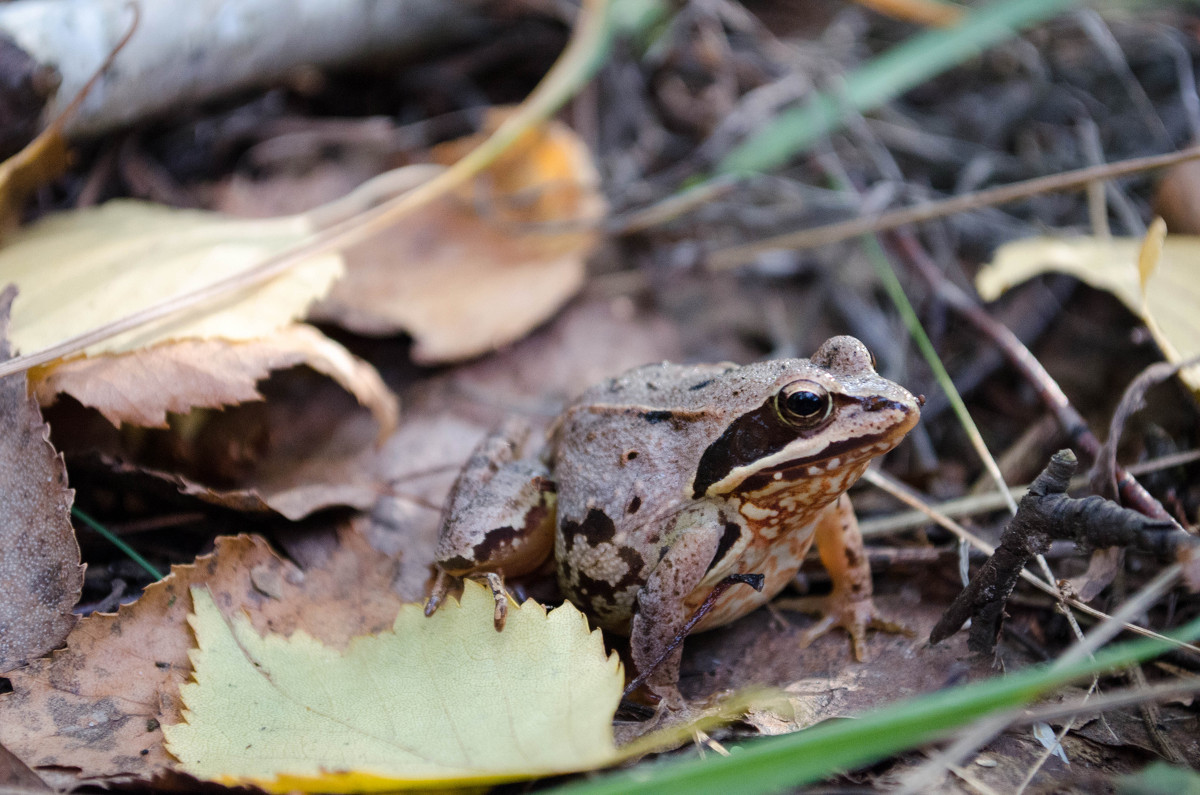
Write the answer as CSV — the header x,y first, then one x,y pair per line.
x,y
82,269
40,161
1169,305
438,700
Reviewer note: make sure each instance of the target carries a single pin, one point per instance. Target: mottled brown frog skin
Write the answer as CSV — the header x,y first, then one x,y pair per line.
x,y
671,478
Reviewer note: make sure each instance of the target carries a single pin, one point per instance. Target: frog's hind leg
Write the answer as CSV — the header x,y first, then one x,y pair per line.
x,y
499,518
850,605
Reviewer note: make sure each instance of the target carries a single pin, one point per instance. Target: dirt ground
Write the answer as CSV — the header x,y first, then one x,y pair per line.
x,y
1089,87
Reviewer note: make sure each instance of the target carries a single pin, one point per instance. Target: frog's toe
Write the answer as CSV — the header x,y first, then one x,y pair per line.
x,y
500,615
671,709
893,627
854,616
437,594
822,627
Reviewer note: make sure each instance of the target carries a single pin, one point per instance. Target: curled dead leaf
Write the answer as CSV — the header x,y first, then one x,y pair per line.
x,y
112,261
140,387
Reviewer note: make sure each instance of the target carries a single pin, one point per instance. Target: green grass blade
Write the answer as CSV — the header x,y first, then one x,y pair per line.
x,y
777,763
107,534
905,66
891,283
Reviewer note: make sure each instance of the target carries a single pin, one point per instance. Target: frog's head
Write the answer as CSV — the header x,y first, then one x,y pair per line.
x,y
817,422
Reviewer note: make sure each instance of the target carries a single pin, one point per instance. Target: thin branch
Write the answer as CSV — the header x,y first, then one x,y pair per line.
x,y
1047,513
733,256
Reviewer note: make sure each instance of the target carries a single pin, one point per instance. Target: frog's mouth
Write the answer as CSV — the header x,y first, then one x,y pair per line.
x,y
836,457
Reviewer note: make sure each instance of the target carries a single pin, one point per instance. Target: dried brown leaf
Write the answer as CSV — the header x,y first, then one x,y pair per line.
x,y
307,446
341,466
14,773
142,386
485,265
1177,199
94,708
1103,566
40,575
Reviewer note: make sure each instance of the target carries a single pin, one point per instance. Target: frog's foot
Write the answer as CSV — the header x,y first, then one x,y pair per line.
x,y
855,616
495,582
671,709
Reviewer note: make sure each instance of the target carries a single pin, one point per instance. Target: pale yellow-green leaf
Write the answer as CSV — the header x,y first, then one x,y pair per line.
x,y
438,701
1171,304
81,269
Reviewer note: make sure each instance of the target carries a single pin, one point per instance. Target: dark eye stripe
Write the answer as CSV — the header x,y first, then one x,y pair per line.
x,y
751,437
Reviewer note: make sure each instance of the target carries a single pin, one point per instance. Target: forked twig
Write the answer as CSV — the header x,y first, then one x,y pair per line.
x,y
1046,513
913,500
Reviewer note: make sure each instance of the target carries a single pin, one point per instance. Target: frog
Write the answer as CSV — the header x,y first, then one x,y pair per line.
x,y
678,498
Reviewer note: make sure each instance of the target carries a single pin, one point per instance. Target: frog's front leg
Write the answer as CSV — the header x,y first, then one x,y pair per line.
x,y
499,518
849,605
662,612
660,615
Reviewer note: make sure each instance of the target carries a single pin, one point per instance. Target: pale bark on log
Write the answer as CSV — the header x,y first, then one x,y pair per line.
x,y
189,51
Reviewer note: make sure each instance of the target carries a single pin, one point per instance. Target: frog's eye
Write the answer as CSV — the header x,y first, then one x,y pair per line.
x,y
803,404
